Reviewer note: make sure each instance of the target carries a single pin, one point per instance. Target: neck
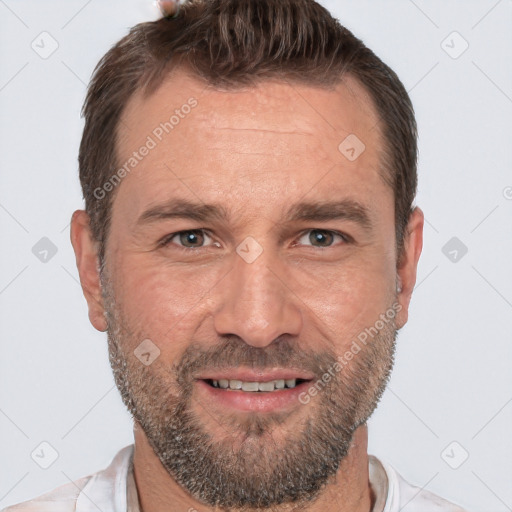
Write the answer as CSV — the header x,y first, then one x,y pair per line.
x,y
348,491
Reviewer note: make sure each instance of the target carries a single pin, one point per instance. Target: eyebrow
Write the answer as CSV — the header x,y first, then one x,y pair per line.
x,y
346,209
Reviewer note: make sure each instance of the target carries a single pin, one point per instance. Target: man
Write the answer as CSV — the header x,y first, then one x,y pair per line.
x,y
250,246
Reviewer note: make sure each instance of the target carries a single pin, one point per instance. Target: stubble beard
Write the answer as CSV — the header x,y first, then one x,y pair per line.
x,y
254,461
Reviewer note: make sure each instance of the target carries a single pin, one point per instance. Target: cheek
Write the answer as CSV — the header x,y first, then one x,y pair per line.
x,y
348,297
168,303
160,301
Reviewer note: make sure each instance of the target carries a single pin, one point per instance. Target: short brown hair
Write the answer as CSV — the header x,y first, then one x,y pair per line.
x,y
238,43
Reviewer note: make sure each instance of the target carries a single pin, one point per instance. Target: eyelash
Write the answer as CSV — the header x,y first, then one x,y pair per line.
x,y
167,239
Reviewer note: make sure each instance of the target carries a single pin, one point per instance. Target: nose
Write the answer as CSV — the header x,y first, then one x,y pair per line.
x,y
256,303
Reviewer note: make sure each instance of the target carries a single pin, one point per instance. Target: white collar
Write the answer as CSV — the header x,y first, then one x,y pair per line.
x,y
106,490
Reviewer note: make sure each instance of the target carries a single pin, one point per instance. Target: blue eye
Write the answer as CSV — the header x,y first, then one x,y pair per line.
x,y
322,236
198,238
193,237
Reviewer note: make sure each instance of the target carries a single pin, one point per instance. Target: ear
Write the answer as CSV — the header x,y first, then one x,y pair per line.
x,y
408,263
87,262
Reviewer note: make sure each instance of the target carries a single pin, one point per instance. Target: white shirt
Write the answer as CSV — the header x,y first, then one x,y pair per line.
x,y
114,490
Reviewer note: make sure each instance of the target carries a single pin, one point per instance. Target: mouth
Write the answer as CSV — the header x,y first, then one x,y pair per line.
x,y
255,386
250,390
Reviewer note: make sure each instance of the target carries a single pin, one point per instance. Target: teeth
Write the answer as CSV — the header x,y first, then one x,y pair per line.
x,y
250,386
254,386
235,384
266,386
279,384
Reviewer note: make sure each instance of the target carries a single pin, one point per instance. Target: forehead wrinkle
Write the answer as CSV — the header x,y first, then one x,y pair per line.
x,y
264,130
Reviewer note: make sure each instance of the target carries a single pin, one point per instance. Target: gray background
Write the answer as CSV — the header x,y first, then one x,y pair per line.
x,y
453,378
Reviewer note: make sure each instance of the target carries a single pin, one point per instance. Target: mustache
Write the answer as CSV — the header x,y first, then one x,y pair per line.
x,y
234,352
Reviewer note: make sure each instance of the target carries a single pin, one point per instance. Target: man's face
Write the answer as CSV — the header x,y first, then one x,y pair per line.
x,y
261,291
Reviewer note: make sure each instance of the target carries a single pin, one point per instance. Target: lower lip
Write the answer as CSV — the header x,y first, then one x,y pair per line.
x,y
255,401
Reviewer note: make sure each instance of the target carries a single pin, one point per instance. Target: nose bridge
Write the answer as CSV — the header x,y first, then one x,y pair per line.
x,y
254,302
257,288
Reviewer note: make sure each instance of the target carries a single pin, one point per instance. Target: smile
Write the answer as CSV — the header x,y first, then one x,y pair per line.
x,y
252,390
253,387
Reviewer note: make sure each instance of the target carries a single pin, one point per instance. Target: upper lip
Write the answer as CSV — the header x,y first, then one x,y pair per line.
x,y
254,375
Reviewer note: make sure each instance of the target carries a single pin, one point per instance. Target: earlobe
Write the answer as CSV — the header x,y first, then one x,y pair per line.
x,y
408,263
87,262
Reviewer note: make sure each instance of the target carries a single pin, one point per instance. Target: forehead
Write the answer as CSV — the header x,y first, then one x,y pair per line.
x,y
274,137
341,109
